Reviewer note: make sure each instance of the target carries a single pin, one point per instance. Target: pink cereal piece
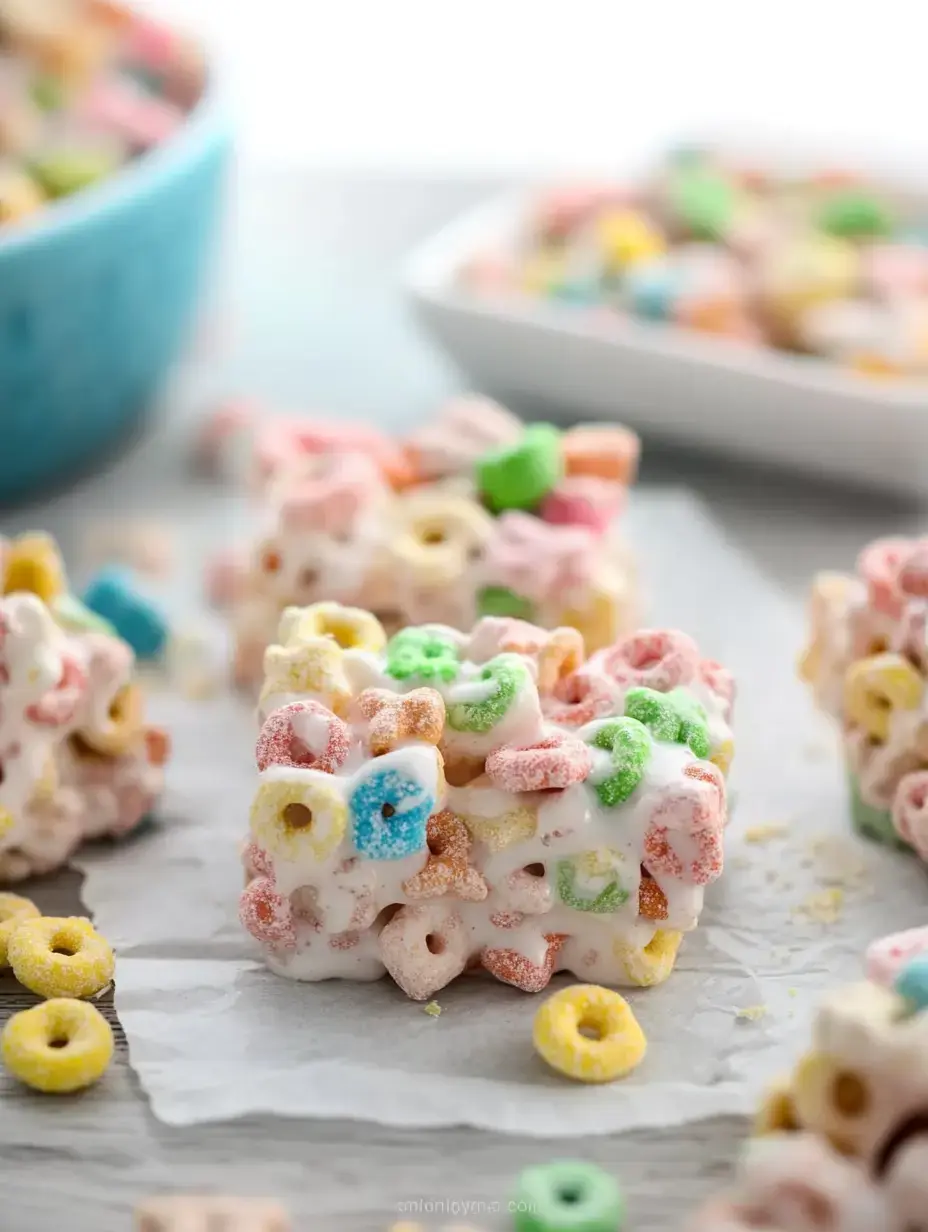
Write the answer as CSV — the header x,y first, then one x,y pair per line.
x,y
256,862
720,681
526,893
910,811
579,698
658,659
117,107
493,635
464,428
507,919
584,500
304,735
540,561
393,718
556,762
448,869
879,565
149,43
330,493
227,579
424,947
886,958
266,914
689,816
913,574
514,968
59,705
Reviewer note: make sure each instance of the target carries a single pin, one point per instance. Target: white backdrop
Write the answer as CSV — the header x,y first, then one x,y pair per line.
x,y
537,84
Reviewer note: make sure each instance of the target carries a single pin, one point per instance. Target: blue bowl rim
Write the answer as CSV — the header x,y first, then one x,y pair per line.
x,y
207,126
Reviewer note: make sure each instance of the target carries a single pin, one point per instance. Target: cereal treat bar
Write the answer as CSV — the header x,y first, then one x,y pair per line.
x,y
475,515
844,1140
441,801
866,662
77,760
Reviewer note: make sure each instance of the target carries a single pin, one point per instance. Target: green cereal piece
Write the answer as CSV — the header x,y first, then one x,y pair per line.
x,y
422,654
629,742
512,677
874,823
519,476
567,1196
694,728
76,617
852,214
68,171
47,92
675,717
704,201
609,899
500,601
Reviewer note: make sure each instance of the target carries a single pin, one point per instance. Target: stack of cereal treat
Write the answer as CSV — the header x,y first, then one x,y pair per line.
x,y
844,1141
866,662
77,760
441,801
475,515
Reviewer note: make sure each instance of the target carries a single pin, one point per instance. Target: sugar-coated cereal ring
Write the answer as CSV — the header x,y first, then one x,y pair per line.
x,y
327,492
659,659
266,914
448,869
559,657
630,745
910,811
463,430
614,1047
441,537
879,564
652,901
876,687
888,956
32,563
527,893
500,602
538,561
675,717
13,910
511,679
505,830
513,967
553,763
605,612
650,964
60,957
913,574
60,1045
684,836
59,705
424,947
607,452
422,654
579,699
599,874
123,727
584,500
395,719
494,635
255,862
313,665
351,628
390,807
300,817
303,735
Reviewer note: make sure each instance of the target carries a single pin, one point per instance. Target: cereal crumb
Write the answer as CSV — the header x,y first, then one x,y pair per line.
x,y
793,992
825,906
433,1009
751,1013
767,833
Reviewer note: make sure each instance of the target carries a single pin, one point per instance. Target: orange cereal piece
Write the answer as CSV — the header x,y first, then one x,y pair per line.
x,y
157,746
559,657
607,451
514,968
448,869
419,715
652,901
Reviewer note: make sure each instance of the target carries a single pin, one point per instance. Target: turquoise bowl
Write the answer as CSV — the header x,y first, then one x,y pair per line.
x,y
96,297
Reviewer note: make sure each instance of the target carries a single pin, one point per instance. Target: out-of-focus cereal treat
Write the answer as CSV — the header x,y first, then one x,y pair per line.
x,y
438,801
474,515
844,1139
866,662
194,1213
78,759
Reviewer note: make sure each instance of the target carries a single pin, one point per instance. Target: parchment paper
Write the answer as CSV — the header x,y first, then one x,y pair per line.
x,y
213,1035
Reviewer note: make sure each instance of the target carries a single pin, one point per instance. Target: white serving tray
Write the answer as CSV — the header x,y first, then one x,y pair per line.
x,y
792,411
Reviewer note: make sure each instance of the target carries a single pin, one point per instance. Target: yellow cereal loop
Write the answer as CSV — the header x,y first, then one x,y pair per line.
x,y
297,819
600,621
314,666
505,830
13,910
351,628
122,727
776,1114
876,687
830,1099
58,1046
589,1033
626,237
32,563
722,757
57,957
651,964
440,538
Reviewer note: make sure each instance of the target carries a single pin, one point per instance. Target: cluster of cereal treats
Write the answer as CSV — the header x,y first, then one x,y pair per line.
x,y
442,801
77,760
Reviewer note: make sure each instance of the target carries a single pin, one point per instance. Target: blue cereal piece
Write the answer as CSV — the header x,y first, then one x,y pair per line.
x,y
912,983
113,595
389,814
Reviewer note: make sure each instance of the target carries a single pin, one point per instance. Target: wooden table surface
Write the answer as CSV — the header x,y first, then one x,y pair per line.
x,y
310,315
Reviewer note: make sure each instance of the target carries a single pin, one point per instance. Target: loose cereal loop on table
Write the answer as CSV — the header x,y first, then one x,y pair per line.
x,y
876,687
303,735
391,801
299,817
579,699
123,726
448,869
61,1045
13,910
266,914
589,1033
659,659
650,964
395,719
60,957
424,947
510,966
910,811
556,762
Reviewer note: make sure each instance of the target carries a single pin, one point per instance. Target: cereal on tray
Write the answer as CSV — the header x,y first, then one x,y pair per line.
x,y
474,515
442,801
78,759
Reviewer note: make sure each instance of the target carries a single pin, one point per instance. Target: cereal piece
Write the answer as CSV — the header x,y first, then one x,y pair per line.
x,y
553,763
650,964
567,1197
584,500
878,686
513,967
589,1033
391,803
350,628
911,983
560,655
433,1009
266,914
464,429
501,601
520,475
675,717
32,563
627,237
660,659
440,538
301,816
122,727
505,830
580,698
393,720
630,745
55,957
13,909
115,595
189,1213
888,956
304,735
424,947
853,214
603,451
601,876
652,901
58,1046
910,811
448,869
499,685
422,654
